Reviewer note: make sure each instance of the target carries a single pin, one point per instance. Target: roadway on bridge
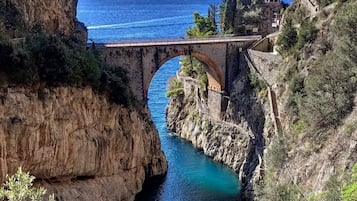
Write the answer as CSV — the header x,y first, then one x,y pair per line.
x,y
186,41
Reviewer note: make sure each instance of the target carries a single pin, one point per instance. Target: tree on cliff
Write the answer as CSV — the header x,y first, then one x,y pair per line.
x,y
288,37
19,187
227,15
204,26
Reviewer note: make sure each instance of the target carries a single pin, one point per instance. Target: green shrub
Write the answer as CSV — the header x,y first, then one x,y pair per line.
x,y
114,80
19,187
287,38
13,24
350,128
58,63
175,88
296,93
192,67
349,191
333,189
276,153
328,93
61,61
273,189
203,82
256,82
204,26
286,192
299,126
300,14
324,96
307,34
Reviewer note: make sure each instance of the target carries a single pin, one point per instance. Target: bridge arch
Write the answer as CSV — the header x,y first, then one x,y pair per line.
x,y
215,76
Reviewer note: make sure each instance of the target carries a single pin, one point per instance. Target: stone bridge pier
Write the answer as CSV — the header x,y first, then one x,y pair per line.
x,y
142,60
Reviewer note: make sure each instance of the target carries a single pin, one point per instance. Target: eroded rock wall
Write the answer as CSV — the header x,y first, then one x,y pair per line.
x,y
78,144
55,16
237,140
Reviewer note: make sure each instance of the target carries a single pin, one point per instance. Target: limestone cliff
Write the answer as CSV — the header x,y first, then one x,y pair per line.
x,y
77,144
236,141
295,138
54,16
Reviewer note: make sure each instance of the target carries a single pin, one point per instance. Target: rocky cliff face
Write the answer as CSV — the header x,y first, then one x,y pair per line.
x,y
236,141
274,149
316,160
77,144
18,17
53,16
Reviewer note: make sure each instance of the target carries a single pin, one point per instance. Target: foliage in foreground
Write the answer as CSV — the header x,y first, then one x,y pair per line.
x,y
19,187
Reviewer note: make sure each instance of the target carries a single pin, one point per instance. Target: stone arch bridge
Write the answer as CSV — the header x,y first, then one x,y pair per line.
x,y
142,60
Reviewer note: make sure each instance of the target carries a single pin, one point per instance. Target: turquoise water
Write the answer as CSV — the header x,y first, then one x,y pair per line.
x,y
191,175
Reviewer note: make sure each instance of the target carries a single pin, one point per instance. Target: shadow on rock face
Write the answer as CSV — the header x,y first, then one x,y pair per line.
x,y
152,189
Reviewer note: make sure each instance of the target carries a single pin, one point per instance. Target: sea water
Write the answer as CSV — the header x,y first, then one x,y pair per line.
x,y
191,175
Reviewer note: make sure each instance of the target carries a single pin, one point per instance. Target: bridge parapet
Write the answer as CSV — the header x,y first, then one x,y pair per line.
x,y
221,57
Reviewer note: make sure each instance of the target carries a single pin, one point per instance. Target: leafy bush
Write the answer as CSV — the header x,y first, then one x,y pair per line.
x,y
192,67
307,34
344,24
114,80
277,153
287,38
19,187
175,88
204,26
59,61
325,96
252,16
256,83
329,92
297,91
349,191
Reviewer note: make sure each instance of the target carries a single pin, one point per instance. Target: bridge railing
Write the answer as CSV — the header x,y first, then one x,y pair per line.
x,y
167,41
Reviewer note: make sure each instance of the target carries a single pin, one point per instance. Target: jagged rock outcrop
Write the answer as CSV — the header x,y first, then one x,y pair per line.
x,y
78,144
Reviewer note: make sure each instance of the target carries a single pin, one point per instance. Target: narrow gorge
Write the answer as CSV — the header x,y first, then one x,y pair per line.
x,y
285,120
76,140
237,139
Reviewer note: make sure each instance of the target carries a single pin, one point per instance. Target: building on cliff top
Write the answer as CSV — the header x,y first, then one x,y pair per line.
x,y
269,21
